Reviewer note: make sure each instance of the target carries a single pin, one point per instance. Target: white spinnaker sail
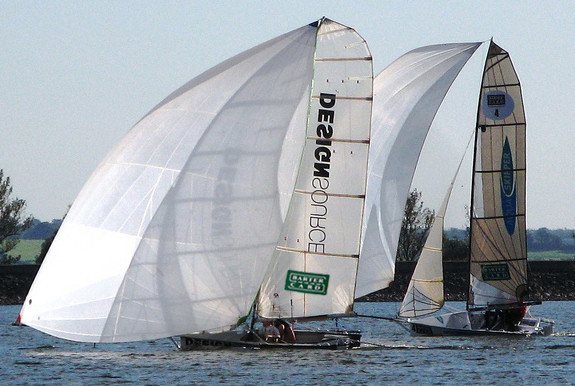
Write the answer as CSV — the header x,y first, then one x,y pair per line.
x,y
314,266
498,264
407,95
174,230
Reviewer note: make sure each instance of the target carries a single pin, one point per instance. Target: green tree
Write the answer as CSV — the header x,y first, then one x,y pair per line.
x,y
12,220
416,222
457,248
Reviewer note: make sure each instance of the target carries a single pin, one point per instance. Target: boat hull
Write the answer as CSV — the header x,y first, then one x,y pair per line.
x,y
306,339
473,323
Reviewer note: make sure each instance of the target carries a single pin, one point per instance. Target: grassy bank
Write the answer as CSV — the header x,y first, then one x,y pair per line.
x,y
550,256
28,250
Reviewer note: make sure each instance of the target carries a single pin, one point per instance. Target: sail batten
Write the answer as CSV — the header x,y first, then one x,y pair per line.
x,y
342,140
367,58
487,87
315,253
309,193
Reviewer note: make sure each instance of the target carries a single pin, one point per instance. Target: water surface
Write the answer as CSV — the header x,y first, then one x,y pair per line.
x,y
389,354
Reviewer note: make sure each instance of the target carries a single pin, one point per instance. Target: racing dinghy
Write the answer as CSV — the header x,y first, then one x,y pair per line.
x,y
253,172
497,302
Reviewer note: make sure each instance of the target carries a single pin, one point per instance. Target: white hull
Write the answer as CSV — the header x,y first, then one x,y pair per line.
x,y
474,323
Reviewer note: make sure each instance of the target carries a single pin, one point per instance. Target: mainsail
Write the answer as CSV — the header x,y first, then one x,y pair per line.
x,y
498,262
407,95
313,270
173,232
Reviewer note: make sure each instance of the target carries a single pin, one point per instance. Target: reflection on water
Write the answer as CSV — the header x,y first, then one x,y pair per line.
x,y
388,354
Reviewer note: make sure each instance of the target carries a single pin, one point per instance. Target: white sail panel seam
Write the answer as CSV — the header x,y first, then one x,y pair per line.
x,y
147,166
328,32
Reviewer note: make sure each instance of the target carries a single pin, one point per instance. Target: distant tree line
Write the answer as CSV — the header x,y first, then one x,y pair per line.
x,y
15,226
417,220
544,239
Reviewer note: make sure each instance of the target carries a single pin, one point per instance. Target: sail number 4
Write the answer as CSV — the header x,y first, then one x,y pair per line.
x,y
311,283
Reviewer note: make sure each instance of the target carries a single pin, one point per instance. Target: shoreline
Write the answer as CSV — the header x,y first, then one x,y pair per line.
x,y
548,281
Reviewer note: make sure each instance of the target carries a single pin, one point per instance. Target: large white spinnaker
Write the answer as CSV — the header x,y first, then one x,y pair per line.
x,y
314,266
407,95
174,230
498,261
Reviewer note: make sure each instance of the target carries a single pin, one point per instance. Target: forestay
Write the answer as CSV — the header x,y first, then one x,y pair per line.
x,y
498,264
407,95
314,266
174,230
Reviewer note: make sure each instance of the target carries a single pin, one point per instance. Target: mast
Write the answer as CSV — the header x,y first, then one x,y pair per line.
x,y
473,167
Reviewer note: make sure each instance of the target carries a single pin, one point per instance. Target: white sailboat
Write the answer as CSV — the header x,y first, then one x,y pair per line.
x,y
261,159
498,288
313,266
406,98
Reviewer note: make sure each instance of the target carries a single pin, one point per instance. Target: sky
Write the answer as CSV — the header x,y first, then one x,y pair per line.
x,y
77,75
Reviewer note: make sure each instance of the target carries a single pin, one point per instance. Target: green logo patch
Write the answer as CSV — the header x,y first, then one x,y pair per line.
x,y
311,283
490,272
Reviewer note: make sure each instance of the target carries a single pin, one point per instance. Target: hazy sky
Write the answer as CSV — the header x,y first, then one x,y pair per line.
x,y
76,75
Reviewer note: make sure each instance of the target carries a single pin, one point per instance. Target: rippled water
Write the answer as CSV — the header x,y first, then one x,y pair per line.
x,y
389,354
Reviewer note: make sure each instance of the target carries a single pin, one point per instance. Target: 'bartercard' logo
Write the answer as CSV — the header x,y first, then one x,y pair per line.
x,y
311,283
492,272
